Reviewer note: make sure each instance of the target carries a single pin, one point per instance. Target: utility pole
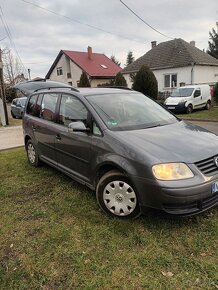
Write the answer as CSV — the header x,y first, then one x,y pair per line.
x,y
29,74
2,90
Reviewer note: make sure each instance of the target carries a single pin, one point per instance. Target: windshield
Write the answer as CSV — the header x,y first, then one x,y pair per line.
x,y
23,101
130,111
182,92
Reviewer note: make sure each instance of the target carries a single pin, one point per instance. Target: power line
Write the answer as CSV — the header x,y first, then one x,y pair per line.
x,y
146,23
8,32
3,38
79,22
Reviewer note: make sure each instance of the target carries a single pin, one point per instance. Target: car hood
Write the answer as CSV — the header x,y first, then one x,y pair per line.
x,y
178,142
175,100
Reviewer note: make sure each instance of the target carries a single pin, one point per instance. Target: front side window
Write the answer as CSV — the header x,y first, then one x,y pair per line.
x,y
170,80
71,110
48,106
130,111
59,71
197,93
31,105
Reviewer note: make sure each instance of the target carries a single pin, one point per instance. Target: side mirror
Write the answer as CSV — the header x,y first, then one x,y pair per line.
x,y
78,126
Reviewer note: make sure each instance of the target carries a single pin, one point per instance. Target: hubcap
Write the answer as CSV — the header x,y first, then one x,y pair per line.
x,y
31,153
119,198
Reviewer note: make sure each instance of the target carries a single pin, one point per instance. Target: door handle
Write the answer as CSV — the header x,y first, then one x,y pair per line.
x,y
58,137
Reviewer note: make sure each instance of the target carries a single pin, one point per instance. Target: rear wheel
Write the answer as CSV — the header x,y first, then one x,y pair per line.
x,y
189,109
32,154
116,196
207,106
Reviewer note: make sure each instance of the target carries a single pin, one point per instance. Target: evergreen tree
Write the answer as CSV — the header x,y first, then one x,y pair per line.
x,y
145,82
215,93
213,44
120,80
84,81
113,58
130,58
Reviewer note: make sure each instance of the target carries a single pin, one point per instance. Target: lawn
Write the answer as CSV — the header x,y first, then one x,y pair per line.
x,y
202,114
53,236
14,122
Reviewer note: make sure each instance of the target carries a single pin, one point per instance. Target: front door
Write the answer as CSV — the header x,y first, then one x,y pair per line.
x,y
73,148
198,102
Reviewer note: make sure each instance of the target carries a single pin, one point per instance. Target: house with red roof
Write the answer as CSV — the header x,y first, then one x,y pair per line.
x,y
69,65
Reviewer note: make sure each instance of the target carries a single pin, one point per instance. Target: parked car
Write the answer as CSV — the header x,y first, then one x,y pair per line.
x,y
126,147
17,107
188,98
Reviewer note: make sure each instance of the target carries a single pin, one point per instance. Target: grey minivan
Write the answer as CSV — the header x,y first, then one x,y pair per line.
x,y
133,152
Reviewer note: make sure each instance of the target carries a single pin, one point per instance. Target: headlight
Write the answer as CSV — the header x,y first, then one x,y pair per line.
x,y
172,171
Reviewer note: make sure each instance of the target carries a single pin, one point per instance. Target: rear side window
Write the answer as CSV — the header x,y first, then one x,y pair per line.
x,y
31,105
48,106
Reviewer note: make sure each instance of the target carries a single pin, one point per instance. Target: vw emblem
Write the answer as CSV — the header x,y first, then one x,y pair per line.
x,y
216,161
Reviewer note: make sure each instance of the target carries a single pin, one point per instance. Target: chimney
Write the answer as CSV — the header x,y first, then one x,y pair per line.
x,y
192,43
89,51
153,44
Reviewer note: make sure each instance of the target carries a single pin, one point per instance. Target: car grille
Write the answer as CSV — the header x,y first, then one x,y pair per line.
x,y
207,166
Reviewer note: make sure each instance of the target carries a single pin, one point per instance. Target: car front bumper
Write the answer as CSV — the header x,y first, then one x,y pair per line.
x,y
184,201
176,108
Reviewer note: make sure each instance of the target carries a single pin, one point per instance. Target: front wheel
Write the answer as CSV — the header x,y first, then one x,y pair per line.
x,y
13,116
32,154
116,195
189,109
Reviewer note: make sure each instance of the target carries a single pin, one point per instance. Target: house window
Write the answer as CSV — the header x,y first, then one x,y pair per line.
x,y
103,66
59,71
170,81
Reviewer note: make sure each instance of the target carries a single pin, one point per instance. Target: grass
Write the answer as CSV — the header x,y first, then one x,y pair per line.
x,y
202,114
14,122
53,236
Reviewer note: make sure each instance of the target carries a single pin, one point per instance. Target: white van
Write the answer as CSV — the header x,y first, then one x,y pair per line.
x,y
188,98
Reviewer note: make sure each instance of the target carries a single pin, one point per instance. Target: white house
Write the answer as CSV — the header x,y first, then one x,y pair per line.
x,y
69,65
175,63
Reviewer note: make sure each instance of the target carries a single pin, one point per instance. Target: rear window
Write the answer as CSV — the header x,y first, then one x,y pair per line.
x,y
31,105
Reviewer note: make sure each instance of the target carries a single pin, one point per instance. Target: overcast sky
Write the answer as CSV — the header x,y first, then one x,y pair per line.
x,y
39,35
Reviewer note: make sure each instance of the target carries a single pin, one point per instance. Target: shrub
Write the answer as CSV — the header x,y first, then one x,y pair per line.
x,y
120,80
215,93
145,82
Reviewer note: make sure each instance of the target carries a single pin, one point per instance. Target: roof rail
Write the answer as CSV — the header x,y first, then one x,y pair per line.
x,y
115,87
58,87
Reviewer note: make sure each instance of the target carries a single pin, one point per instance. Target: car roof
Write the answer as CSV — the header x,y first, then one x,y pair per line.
x,y
100,91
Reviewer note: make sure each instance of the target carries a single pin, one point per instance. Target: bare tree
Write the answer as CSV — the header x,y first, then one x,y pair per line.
x,y
12,69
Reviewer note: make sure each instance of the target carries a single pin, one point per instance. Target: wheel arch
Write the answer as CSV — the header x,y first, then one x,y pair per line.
x,y
26,139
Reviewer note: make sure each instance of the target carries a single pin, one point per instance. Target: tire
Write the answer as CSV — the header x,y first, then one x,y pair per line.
x,y
116,196
207,106
13,116
32,154
189,109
